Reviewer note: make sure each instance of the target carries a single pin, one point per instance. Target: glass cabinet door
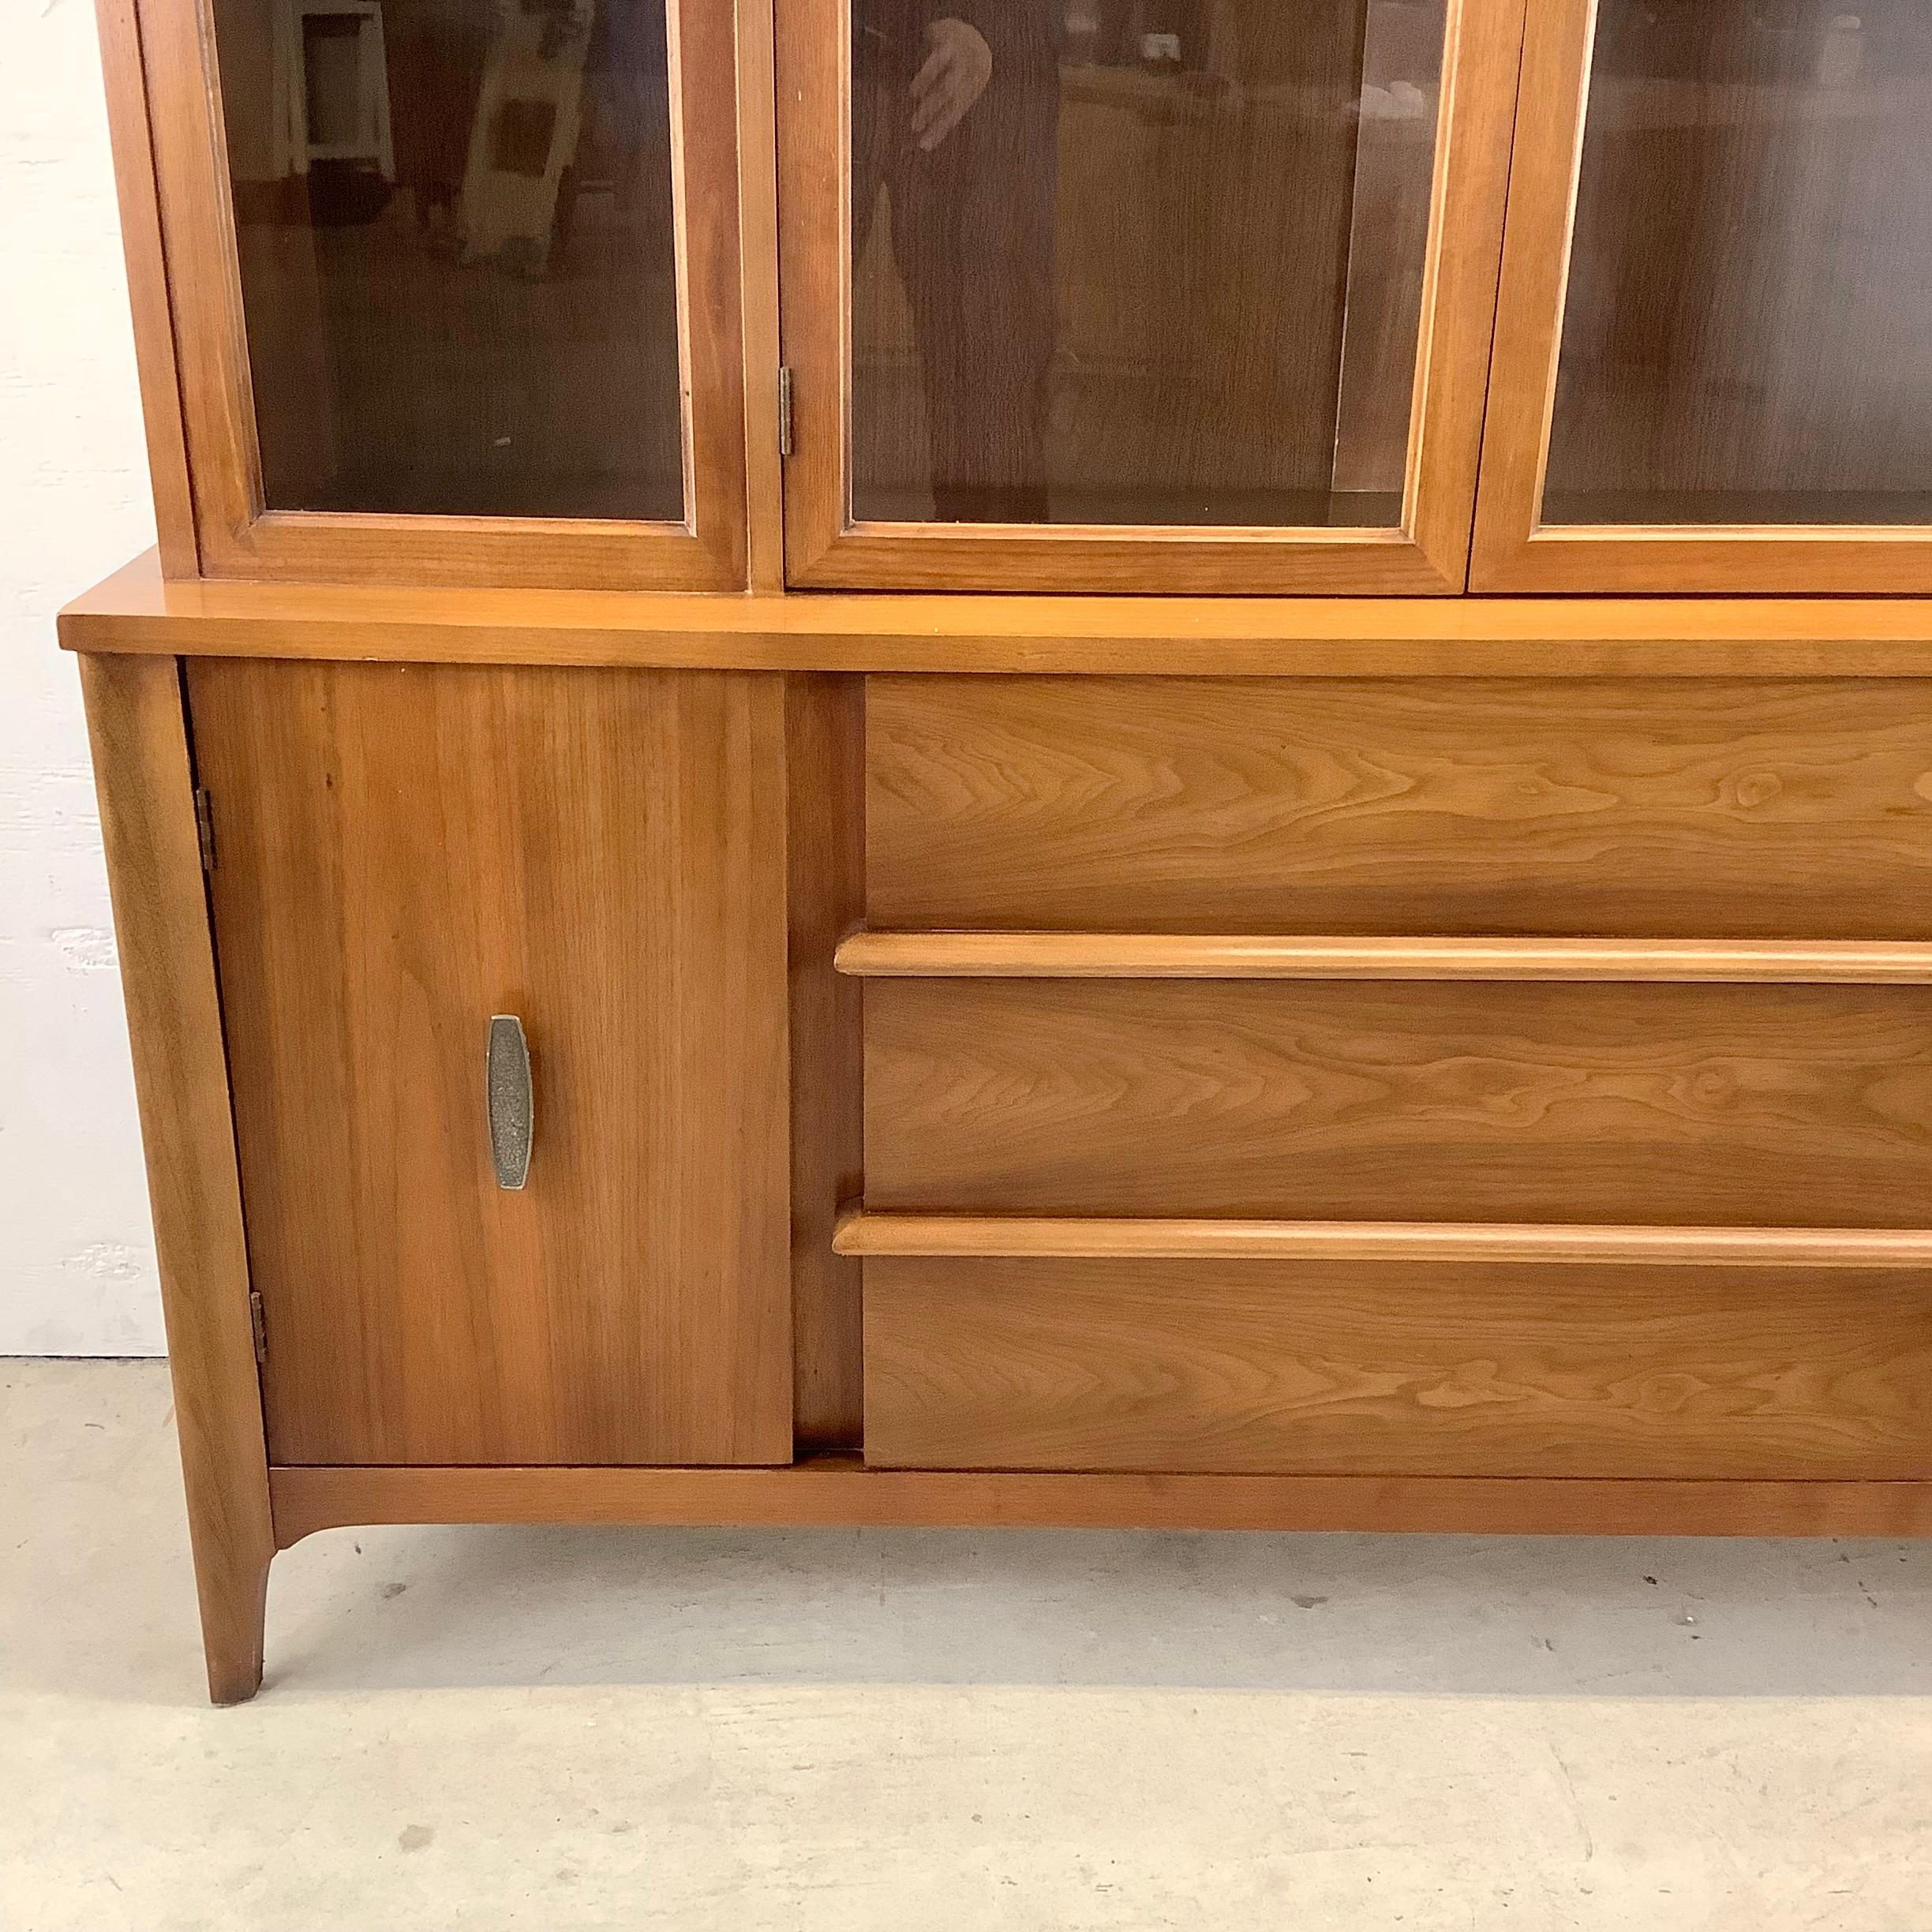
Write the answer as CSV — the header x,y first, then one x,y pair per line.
x,y
1714,355
1139,294
431,278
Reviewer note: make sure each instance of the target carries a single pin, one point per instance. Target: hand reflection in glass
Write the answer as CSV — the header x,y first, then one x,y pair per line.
x,y
958,66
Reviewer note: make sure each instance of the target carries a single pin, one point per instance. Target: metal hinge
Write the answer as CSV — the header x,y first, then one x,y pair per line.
x,y
785,412
259,1323
205,829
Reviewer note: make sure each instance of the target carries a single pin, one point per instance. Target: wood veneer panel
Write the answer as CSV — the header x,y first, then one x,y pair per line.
x,y
1724,808
1706,1106
403,853
1319,1369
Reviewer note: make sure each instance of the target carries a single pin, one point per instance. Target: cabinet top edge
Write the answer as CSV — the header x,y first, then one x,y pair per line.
x,y
138,612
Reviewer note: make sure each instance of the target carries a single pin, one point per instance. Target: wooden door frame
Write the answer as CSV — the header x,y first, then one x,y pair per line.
x,y
167,102
1515,550
1427,555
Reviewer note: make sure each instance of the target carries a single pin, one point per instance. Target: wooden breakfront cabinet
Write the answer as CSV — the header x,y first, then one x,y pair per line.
x,y
1057,761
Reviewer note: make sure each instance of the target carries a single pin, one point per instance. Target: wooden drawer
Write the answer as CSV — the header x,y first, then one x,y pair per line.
x,y
1663,807
1322,1368
1487,1101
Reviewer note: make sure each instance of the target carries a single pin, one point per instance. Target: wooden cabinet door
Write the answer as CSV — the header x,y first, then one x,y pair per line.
x,y
1141,295
1713,358
457,291
402,852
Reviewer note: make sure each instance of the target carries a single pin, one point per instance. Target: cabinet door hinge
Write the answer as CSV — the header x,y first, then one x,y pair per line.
x,y
205,829
259,1323
785,412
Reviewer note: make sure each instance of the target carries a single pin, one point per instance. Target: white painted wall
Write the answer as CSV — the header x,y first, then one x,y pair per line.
x,y
76,1254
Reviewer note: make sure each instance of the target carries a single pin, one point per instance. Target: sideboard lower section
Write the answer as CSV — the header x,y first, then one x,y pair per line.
x,y
1436,1101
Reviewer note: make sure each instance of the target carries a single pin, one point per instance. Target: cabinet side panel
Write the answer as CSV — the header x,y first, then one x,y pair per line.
x,y
148,825
404,853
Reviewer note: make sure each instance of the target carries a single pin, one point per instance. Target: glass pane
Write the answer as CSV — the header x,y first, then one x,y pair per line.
x,y
1748,338
453,219
1139,261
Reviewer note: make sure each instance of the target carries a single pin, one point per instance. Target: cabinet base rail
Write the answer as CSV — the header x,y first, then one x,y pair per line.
x,y
841,1491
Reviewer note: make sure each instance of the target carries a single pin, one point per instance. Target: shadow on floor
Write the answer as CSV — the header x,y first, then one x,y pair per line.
x,y
1447,1616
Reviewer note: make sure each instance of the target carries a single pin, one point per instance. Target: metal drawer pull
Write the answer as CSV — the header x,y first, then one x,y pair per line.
x,y
512,1114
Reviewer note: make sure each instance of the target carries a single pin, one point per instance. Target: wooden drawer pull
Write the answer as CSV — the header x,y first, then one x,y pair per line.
x,y
1175,955
937,1236
512,1111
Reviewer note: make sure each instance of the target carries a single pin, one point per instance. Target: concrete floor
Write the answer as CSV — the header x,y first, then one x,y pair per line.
x,y
856,1732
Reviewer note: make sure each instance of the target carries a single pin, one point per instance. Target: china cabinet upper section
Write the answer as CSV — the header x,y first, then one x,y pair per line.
x,y
1344,297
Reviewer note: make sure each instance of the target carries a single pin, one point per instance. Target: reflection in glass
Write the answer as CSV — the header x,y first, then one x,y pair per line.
x,y
1139,261
1748,336
453,219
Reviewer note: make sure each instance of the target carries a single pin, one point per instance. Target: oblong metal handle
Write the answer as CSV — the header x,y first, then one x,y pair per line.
x,y
512,1109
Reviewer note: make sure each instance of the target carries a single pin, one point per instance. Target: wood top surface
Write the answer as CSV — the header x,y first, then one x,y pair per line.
x,y
136,611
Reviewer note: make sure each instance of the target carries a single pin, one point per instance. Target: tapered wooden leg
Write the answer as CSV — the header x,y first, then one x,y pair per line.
x,y
143,777
234,1609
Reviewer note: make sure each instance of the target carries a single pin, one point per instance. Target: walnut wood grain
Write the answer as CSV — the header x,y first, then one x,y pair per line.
x,y
403,853
1722,808
1706,1106
866,1232
1198,956
1325,1368
833,1491
143,777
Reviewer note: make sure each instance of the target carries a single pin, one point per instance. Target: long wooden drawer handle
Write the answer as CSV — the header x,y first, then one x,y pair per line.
x,y
867,954
512,1107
